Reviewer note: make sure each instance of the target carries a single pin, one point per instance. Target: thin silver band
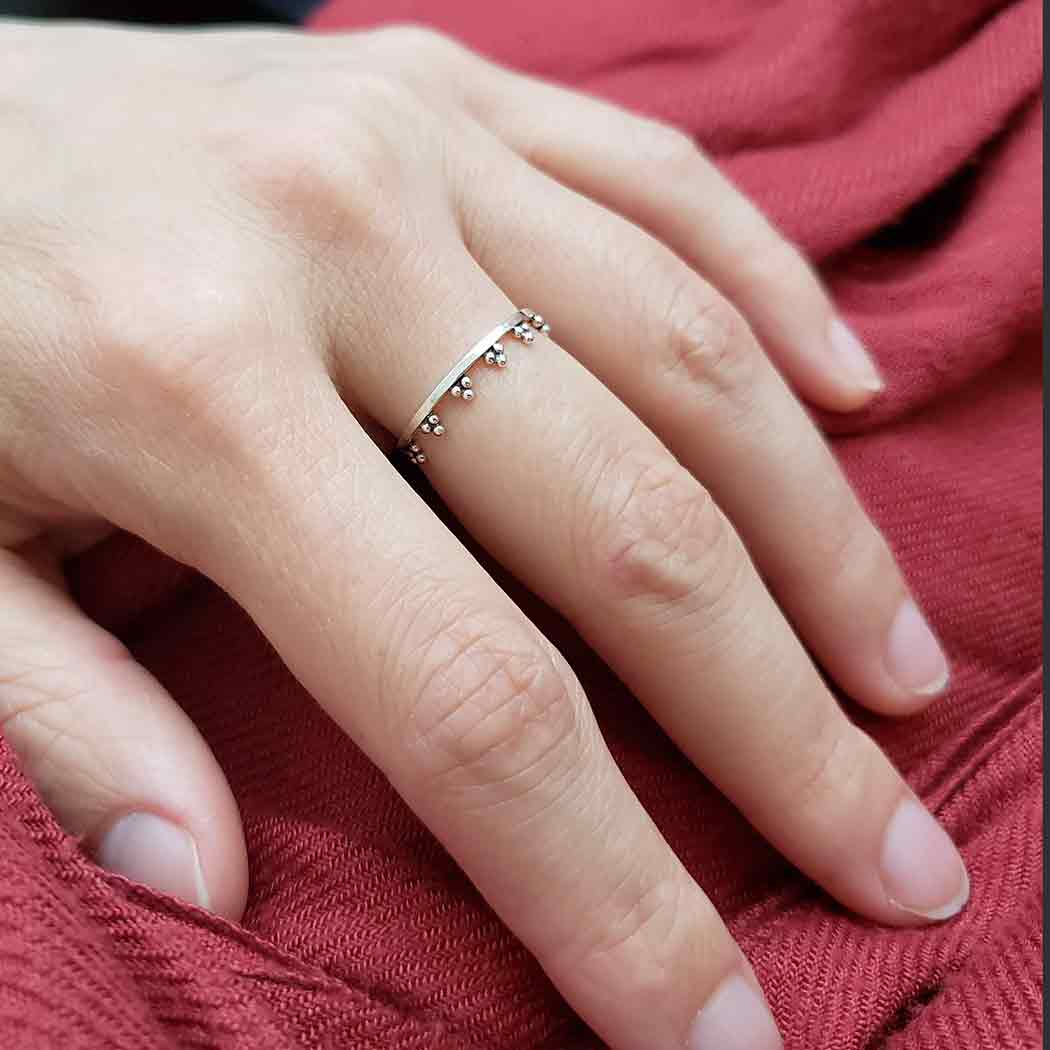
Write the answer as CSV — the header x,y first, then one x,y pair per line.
x,y
457,370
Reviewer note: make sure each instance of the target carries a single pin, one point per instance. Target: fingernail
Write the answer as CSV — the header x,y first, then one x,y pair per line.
x,y
152,850
913,655
922,872
855,361
736,1017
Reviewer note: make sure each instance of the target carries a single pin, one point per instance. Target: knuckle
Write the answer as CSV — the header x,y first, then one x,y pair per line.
x,y
141,336
666,149
494,711
833,781
383,103
775,266
424,45
851,553
283,164
707,347
843,547
171,344
660,537
637,932
183,367
333,171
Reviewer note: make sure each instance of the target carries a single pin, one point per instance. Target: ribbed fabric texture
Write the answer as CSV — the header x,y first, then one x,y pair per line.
x,y
899,143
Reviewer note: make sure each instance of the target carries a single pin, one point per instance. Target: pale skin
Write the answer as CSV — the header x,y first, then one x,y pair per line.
x,y
231,266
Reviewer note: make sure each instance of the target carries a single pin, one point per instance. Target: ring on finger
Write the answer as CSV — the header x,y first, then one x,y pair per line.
x,y
522,325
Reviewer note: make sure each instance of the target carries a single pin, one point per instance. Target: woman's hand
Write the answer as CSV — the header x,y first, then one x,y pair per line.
x,y
226,260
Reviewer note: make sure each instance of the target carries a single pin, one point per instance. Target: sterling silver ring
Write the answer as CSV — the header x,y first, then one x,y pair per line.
x,y
426,423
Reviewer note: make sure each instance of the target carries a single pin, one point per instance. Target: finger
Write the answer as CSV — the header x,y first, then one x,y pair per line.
x,y
474,717
656,176
118,762
668,344
638,557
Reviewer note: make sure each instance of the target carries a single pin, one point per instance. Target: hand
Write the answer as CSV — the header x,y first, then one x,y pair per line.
x,y
226,260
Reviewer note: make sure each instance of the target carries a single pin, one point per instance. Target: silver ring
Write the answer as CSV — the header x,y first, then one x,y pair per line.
x,y
426,423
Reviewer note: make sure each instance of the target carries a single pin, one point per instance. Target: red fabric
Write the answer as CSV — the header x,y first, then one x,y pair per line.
x,y
899,143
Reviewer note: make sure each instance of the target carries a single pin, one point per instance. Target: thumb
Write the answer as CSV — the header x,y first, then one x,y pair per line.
x,y
117,760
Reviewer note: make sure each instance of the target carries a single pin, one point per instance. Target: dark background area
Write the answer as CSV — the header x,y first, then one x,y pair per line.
x,y
162,12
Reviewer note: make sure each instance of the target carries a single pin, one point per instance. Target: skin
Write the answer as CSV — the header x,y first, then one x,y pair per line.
x,y
231,266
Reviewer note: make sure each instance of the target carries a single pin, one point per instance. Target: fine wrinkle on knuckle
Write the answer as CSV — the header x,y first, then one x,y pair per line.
x,y
661,539
412,609
493,713
833,783
330,498
709,352
639,931
851,554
